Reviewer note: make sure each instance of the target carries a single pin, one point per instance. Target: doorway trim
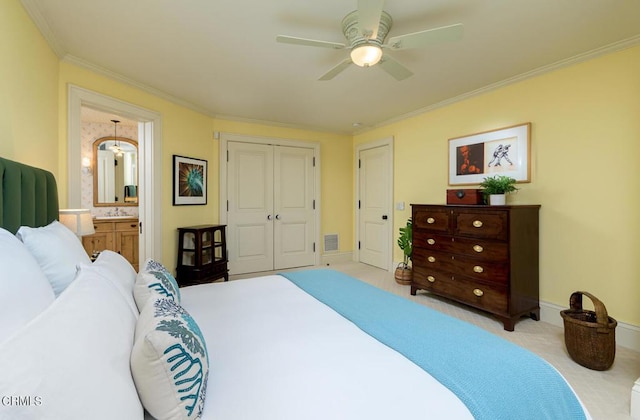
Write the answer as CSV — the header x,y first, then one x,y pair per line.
x,y
150,160
227,137
389,240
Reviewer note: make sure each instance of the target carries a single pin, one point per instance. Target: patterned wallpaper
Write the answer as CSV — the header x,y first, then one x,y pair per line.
x,y
91,131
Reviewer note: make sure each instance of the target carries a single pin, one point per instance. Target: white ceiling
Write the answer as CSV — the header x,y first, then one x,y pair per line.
x,y
220,57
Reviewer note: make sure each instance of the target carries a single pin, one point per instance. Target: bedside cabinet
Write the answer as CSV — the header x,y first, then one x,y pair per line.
x,y
482,256
202,254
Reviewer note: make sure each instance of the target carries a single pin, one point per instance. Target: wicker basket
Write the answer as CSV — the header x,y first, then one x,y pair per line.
x,y
403,274
590,336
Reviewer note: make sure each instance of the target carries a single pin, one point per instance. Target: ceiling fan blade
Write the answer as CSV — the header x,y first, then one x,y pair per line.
x,y
336,70
309,42
391,66
424,38
369,12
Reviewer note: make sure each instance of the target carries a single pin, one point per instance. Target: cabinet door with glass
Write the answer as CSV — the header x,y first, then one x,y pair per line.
x,y
202,254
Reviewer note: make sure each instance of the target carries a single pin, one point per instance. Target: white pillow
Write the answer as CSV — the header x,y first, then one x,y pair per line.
x,y
119,271
24,289
154,281
72,360
57,250
169,362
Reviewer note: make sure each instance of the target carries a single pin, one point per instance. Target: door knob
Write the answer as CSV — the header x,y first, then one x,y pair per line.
x,y
277,217
385,217
269,217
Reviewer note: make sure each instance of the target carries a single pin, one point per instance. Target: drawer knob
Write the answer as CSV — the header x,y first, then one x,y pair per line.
x,y
478,269
477,223
431,259
431,241
431,279
478,248
478,292
431,220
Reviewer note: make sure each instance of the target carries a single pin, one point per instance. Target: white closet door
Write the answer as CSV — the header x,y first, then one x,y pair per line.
x,y
375,210
293,207
250,215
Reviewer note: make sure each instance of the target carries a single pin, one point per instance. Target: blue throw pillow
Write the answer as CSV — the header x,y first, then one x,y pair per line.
x,y
169,361
155,281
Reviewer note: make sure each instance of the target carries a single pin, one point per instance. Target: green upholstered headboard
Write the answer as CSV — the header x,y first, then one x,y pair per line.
x,y
28,196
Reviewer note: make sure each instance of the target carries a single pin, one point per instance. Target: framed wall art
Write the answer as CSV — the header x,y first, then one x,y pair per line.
x,y
505,151
189,181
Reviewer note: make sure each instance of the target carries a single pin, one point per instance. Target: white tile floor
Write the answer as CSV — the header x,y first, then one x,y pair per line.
x,y
606,394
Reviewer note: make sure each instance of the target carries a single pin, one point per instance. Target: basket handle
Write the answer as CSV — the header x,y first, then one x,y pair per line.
x,y
602,318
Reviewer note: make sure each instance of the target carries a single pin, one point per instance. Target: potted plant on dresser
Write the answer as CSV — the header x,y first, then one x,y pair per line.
x,y
496,187
403,272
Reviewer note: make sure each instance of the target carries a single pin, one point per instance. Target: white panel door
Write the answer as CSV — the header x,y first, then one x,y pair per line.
x,y
375,206
250,201
294,231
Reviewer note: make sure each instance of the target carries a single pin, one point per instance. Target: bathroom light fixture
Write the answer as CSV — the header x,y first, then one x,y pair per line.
x,y
116,149
366,55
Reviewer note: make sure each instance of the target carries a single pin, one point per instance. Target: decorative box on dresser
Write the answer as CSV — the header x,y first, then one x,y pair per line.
x,y
119,235
482,256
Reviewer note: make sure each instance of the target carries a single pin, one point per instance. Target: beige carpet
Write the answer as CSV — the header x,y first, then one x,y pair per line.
x,y
606,394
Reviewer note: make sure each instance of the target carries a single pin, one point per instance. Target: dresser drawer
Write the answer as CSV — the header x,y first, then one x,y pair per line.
x,y
132,225
476,248
487,224
490,297
432,219
103,226
489,271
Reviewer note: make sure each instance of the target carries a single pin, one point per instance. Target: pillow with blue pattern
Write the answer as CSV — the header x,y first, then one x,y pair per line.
x,y
154,281
169,361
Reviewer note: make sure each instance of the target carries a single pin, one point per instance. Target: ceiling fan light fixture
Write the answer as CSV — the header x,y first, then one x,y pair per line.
x,y
366,55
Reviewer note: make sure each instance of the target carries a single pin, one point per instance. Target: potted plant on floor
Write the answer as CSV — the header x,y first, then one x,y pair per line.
x,y
403,272
497,187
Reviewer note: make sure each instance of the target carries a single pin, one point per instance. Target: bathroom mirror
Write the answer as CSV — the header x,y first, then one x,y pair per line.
x,y
115,172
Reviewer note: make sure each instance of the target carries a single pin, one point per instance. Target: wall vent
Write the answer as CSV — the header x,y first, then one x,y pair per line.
x,y
331,242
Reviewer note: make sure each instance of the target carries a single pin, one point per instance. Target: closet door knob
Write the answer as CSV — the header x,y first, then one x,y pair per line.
x,y
277,217
269,217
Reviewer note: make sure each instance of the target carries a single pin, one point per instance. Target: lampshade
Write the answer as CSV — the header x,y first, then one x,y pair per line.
x,y
366,55
79,221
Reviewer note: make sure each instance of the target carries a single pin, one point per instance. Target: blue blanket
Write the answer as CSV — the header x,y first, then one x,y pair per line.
x,y
494,378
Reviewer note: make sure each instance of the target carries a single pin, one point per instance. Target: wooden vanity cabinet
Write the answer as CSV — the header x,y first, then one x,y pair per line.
x,y
482,256
118,235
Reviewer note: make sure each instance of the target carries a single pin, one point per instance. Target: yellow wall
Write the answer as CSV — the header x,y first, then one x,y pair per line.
x,y
189,133
585,143
585,171
28,91
33,125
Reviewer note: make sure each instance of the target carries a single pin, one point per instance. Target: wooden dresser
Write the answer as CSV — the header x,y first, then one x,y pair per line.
x,y
118,235
482,256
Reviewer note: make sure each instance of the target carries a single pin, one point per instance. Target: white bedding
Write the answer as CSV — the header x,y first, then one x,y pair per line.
x,y
278,353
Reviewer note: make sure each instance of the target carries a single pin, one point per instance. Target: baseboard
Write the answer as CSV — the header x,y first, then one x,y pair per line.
x,y
627,335
336,258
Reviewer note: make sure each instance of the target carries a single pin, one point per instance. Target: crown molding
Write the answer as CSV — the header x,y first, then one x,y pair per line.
x,y
607,49
32,9
131,82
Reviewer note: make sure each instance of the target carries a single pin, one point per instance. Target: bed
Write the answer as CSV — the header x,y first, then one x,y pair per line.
x,y
82,339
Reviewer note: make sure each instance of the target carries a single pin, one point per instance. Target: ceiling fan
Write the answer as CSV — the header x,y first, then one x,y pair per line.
x,y
366,29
